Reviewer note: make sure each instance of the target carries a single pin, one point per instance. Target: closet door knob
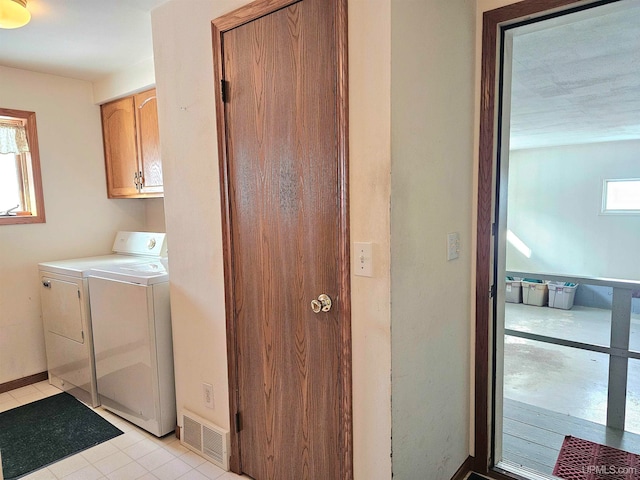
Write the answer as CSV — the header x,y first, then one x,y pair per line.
x,y
323,303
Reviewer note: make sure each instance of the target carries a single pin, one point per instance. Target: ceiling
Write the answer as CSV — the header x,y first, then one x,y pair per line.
x,y
83,39
575,79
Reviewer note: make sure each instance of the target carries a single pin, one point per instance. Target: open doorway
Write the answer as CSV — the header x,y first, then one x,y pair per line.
x,y
563,341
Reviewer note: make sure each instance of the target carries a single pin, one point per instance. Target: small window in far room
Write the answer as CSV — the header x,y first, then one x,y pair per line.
x,y
621,196
21,199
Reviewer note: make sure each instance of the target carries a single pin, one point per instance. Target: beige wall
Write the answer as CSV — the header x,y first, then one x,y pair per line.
x,y
81,221
184,79
134,79
186,113
432,60
370,189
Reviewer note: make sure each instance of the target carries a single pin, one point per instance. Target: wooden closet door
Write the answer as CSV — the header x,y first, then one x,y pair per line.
x,y
284,193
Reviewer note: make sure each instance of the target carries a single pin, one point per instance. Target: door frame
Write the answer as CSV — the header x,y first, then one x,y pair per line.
x,y
240,16
487,211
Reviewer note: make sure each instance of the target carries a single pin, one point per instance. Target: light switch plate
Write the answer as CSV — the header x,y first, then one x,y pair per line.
x,y
363,259
453,245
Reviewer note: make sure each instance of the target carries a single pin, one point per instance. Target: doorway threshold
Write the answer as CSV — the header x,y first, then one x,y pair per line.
x,y
521,471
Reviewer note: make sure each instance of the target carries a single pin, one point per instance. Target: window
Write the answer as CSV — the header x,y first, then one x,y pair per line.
x,y
21,199
621,196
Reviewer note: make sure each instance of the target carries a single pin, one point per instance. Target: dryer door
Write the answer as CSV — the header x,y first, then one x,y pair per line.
x,y
61,308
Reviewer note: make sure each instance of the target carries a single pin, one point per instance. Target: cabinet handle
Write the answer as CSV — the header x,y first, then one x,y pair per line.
x,y
135,180
140,181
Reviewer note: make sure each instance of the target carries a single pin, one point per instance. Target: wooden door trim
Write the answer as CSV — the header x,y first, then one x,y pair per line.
x,y
220,25
491,21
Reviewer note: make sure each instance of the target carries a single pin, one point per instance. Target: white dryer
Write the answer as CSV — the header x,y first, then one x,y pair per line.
x,y
133,346
66,311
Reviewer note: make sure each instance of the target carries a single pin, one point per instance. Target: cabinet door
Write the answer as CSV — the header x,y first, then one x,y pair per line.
x,y
119,131
148,141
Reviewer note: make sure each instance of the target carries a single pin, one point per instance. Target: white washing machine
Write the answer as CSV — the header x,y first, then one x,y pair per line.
x,y
66,311
133,346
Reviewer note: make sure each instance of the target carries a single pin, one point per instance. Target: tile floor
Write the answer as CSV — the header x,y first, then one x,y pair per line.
x,y
135,455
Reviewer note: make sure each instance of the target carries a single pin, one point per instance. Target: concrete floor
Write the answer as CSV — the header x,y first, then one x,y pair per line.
x,y
563,379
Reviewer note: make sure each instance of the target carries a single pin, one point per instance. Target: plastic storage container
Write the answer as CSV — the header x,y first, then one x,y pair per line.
x,y
534,293
514,290
561,295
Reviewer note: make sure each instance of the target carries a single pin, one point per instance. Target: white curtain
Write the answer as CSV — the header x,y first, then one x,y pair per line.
x,y
13,139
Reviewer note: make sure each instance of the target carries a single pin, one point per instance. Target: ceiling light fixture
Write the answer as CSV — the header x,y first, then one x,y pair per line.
x,y
14,13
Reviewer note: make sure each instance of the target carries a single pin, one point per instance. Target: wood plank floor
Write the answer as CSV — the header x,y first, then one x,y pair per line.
x,y
532,436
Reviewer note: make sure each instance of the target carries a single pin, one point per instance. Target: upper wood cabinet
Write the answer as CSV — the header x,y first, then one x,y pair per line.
x,y
132,146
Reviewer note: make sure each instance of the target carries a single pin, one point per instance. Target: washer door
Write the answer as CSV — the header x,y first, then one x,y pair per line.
x,y
61,308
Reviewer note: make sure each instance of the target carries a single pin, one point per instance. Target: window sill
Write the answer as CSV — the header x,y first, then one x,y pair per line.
x,y
21,219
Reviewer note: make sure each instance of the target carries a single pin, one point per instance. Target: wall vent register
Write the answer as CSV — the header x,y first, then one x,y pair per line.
x,y
205,439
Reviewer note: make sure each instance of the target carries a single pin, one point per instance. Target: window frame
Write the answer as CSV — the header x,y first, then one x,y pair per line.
x,y
609,211
29,168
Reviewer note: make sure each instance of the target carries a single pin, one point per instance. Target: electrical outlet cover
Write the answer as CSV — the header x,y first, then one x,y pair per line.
x,y
207,395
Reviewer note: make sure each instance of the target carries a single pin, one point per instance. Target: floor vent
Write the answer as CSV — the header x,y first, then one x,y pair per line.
x,y
205,439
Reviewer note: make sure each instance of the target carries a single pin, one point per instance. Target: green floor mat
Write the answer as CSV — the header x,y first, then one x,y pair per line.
x,y
43,432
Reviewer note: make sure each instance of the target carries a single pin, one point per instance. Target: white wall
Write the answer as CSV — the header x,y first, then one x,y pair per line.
x,y
184,80
555,199
134,79
186,113
370,190
432,170
81,221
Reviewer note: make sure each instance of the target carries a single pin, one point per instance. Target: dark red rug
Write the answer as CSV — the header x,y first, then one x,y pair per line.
x,y
584,460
